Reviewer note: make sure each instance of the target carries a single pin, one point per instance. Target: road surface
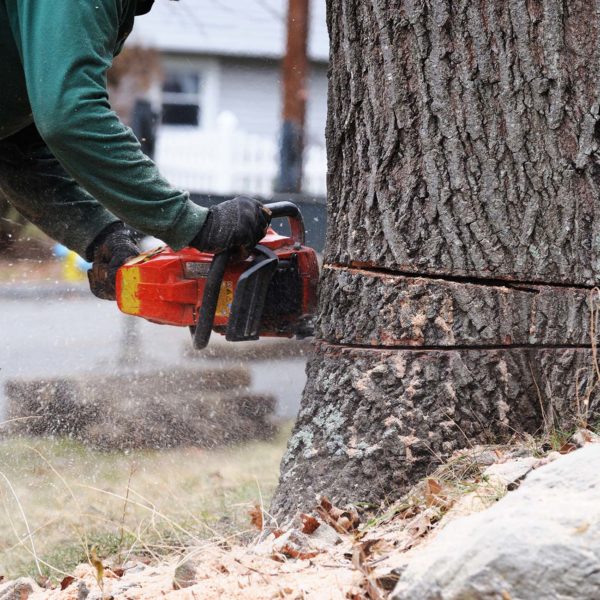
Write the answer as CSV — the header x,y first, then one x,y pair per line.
x,y
45,333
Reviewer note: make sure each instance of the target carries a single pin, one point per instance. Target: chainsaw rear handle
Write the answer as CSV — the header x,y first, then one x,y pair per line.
x,y
212,288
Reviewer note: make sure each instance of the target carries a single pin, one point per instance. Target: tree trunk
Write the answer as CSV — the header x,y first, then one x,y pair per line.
x,y
457,302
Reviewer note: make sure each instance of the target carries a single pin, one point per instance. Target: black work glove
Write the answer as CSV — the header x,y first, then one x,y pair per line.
x,y
115,245
241,222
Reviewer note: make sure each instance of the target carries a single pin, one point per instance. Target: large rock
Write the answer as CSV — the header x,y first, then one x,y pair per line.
x,y
541,541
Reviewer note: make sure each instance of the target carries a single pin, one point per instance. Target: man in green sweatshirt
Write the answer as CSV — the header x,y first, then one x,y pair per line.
x,y
66,161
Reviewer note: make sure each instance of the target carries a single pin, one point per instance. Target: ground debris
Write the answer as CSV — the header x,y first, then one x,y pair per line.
x,y
343,520
256,517
185,575
326,553
584,436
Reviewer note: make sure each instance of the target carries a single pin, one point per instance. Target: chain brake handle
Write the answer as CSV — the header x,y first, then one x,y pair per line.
x,y
252,285
294,216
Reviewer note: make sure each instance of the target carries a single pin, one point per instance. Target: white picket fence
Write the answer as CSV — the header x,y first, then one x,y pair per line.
x,y
229,161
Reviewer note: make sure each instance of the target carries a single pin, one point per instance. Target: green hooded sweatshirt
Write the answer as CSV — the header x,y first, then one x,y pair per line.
x,y
54,55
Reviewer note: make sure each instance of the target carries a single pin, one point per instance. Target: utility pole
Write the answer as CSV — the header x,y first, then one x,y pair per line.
x,y
294,77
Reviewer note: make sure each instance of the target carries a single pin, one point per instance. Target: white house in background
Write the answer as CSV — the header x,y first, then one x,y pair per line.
x,y
221,95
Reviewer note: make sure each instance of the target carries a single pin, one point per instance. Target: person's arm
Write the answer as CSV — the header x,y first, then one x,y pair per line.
x,y
67,47
37,185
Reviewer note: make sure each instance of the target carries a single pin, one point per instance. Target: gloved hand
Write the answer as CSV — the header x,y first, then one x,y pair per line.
x,y
111,249
241,222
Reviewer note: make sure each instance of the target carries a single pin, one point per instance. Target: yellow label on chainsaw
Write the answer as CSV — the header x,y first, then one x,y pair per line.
x,y
129,301
225,299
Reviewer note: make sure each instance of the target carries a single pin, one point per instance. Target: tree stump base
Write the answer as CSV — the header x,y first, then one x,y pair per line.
x,y
375,421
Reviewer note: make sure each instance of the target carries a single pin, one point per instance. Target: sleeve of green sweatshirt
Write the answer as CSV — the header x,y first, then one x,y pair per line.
x,y
66,48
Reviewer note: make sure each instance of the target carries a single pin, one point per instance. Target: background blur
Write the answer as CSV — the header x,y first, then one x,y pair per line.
x,y
214,74
90,397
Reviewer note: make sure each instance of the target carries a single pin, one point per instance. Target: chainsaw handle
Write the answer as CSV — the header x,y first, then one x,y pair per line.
x,y
218,266
210,298
292,212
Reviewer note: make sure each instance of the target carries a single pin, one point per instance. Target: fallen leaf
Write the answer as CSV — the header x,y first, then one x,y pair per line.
x,y
368,547
567,448
327,518
432,486
420,525
410,512
256,517
66,582
335,512
352,518
342,520
309,523
434,495
325,503
110,574
292,552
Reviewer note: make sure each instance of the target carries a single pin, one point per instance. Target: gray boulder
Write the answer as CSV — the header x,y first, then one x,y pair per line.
x,y
540,541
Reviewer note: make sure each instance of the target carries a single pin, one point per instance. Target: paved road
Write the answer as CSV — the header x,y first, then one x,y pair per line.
x,y
44,333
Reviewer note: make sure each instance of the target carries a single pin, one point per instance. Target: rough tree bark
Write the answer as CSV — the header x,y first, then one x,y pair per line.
x,y
457,301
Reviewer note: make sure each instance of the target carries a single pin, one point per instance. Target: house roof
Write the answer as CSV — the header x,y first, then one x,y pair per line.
x,y
252,28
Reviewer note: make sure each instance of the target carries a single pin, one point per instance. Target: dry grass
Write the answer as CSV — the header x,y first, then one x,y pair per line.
x,y
357,562
59,500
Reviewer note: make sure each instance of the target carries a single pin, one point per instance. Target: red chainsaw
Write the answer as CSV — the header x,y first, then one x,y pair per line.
x,y
272,292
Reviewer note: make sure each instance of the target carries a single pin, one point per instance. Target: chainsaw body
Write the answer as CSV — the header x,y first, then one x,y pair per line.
x,y
273,292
